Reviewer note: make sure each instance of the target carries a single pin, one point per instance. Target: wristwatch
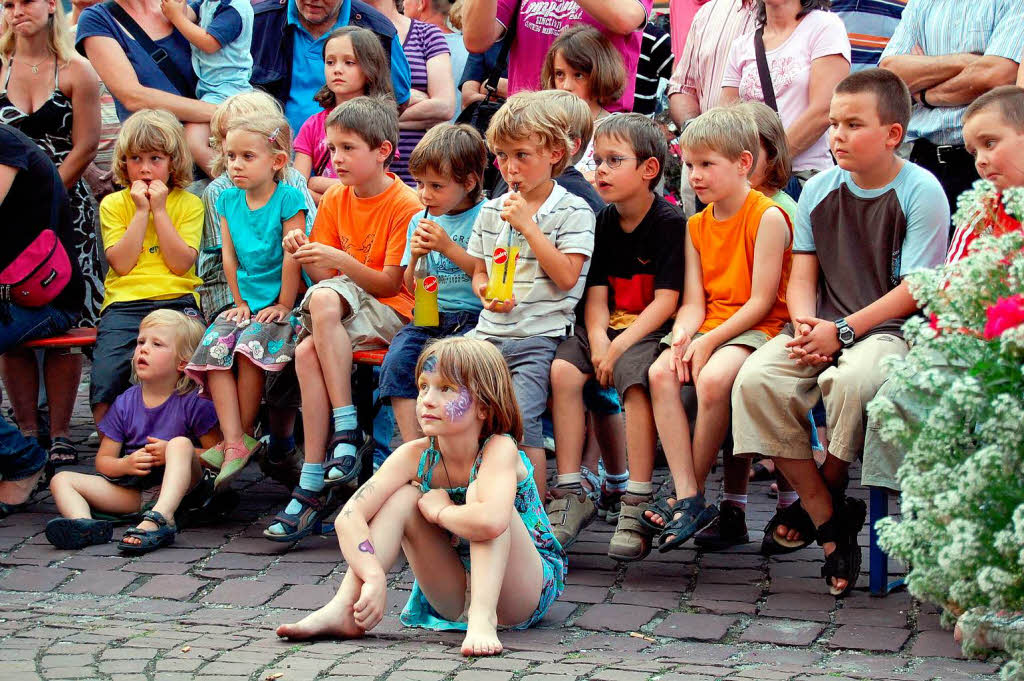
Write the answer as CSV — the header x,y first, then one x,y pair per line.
x,y
845,332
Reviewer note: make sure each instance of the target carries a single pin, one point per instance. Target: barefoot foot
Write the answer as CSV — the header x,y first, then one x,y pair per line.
x,y
334,620
17,492
481,639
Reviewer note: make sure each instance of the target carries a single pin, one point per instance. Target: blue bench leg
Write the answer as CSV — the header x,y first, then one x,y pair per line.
x,y
878,562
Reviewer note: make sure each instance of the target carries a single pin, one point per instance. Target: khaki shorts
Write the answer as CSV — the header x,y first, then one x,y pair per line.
x,y
749,338
370,323
772,395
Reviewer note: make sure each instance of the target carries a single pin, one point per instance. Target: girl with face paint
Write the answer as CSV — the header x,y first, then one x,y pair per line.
x,y
463,506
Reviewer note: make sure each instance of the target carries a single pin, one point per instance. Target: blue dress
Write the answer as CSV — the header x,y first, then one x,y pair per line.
x,y
419,613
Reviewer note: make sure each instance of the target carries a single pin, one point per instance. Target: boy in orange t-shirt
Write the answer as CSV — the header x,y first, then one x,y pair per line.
x,y
737,262
358,300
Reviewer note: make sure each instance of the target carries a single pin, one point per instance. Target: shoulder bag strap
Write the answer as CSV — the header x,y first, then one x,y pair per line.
x,y
762,70
156,53
506,46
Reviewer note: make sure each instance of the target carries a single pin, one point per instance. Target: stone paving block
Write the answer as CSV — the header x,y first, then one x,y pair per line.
x,y
936,644
583,594
483,675
787,657
243,592
742,593
557,614
697,653
589,577
503,663
737,576
79,562
431,665
785,614
731,560
548,677
952,670
173,554
723,607
33,579
653,599
176,587
255,546
869,638
875,666
59,661
306,596
801,601
605,616
783,632
873,618
123,666
402,675
99,582
239,560
699,627
158,568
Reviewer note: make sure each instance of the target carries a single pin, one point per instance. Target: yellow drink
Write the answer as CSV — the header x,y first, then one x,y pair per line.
x,y
503,273
425,313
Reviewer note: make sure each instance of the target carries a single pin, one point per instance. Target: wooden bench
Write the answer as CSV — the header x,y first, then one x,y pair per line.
x,y
74,341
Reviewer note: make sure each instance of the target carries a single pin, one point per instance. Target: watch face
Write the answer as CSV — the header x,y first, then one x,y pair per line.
x,y
846,335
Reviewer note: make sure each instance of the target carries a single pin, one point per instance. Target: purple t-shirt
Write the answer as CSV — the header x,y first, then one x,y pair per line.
x,y
312,141
130,421
424,42
819,34
540,22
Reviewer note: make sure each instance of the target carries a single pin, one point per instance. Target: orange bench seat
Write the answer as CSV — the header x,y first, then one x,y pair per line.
x,y
369,357
74,338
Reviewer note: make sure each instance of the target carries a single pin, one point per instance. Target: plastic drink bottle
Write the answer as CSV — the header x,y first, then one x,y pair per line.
x,y
503,267
424,312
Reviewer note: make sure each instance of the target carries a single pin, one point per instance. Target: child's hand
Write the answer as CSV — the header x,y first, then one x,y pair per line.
x,y
608,354
241,313
493,304
320,255
680,342
817,341
432,503
515,211
139,462
172,9
373,599
696,356
157,448
433,237
293,240
140,195
158,195
275,313
416,247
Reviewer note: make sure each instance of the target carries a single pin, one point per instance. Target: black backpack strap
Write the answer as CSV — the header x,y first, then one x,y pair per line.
x,y
156,53
502,62
767,89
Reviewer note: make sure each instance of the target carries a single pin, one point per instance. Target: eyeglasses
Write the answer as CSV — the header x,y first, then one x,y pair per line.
x,y
612,162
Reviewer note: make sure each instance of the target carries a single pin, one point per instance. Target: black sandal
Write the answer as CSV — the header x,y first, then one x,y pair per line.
x,y
77,533
63,452
795,518
351,465
149,540
314,508
695,514
660,508
842,528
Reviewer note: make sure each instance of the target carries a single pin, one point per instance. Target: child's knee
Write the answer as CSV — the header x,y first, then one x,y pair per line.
x,y
565,375
181,447
325,306
305,355
62,482
713,388
662,377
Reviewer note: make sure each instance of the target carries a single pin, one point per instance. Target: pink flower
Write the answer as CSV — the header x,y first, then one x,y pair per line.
x,y
1007,313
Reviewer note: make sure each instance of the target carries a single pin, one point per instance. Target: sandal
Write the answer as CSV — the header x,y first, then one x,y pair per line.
x,y
149,540
314,508
77,533
761,473
351,465
844,561
660,508
63,452
213,458
795,518
632,539
695,514
236,458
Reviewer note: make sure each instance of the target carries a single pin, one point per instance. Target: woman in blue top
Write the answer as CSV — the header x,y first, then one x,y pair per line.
x,y
461,504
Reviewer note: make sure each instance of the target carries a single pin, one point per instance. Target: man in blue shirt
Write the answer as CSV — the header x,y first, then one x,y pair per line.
x,y
287,49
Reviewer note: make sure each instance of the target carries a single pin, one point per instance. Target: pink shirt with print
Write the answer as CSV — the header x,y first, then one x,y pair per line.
x,y
312,141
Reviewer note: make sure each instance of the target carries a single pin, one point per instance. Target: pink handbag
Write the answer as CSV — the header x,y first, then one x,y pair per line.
x,y
38,274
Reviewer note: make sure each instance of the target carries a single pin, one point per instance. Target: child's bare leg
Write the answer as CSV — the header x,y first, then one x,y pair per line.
x,y
610,432
405,414
315,404
333,346
77,493
21,381
640,431
506,579
714,391
672,426
569,418
251,379
540,468
398,523
224,391
181,471
62,372
198,137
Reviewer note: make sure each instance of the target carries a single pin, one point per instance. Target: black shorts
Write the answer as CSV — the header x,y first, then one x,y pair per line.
x,y
630,369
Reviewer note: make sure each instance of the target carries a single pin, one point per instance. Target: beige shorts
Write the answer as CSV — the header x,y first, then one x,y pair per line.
x,y
370,323
773,394
749,338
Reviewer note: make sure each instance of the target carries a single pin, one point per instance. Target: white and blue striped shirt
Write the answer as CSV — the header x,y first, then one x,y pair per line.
x,y
941,27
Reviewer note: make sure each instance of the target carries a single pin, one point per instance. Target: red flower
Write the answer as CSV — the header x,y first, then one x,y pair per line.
x,y
1007,313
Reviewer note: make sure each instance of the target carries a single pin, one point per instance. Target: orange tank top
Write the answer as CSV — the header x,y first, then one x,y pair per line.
x,y
726,249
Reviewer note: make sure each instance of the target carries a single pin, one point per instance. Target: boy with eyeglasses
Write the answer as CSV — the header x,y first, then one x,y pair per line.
x,y
632,290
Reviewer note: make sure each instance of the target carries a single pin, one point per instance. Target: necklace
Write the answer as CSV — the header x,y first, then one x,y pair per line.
x,y
35,67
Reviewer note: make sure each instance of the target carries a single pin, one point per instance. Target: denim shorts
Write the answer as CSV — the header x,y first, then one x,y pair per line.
x,y
20,456
529,360
397,373
115,343
21,324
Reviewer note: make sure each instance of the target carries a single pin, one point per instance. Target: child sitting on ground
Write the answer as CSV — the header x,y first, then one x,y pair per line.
x,y
151,232
221,34
358,301
861,228
492,560
355,64
737,268
632,291
149,439
448,164
552,232
264,281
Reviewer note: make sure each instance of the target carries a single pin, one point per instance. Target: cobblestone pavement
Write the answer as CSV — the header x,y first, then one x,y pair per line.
x,y
207,607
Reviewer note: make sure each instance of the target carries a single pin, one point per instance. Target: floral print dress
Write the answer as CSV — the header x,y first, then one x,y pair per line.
x,y
419,613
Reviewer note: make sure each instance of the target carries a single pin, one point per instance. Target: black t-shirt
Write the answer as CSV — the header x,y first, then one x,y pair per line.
x,y
635,264
36,201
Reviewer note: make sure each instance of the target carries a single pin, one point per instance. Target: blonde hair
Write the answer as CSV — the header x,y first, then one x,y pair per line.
x,y
58,37
455,151
589,51
728,131
153,130
252,103
532,113
455,14
274,129
578,119
777,165
188,333
478,366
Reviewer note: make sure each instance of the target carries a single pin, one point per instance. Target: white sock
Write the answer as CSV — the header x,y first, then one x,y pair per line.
x,y
736,499
787,499
641,489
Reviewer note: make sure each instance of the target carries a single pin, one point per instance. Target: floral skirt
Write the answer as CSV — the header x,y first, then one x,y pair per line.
x,y
268,345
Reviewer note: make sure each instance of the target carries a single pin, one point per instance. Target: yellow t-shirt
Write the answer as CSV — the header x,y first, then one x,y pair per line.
x,y
151,279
